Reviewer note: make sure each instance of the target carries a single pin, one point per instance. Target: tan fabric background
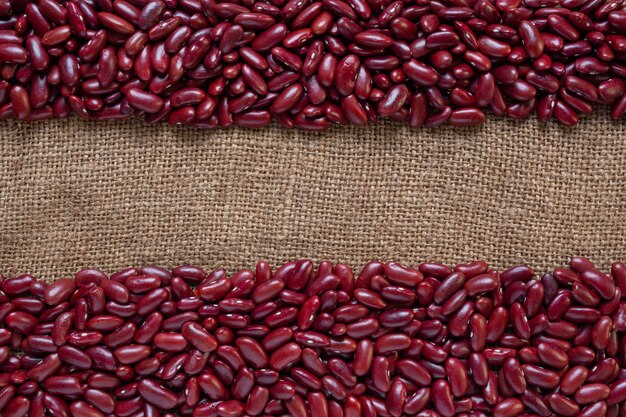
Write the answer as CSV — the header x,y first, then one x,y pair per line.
x,y
76,194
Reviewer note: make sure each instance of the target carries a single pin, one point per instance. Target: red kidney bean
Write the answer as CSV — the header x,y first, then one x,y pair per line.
x,y
597,409
132,353
493,47
581,87
393,100
599,283
155,394
283,390
56,36
551,356
617,393
467,117
533,42
457,376
17,407
346,74
11,53
75,357
353,110
64,385
363,357
285,356
540,377
591,393
480,284
509,407
420,73
20,102
442,398
59,291
39,57
563,405
150,14
115,23
82,409
257,400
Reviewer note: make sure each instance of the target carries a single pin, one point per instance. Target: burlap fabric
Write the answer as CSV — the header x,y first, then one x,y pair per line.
x,y
76,194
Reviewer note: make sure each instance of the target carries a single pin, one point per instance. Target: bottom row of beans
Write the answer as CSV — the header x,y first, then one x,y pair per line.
x,y
316,341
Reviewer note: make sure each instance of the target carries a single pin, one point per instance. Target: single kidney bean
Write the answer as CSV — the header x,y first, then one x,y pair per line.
x,y
64,385
284,356
563,405
59,291
420,73
508,408
467,117
591,393
442,398
155,394
82,409
533,42
11,53
394,100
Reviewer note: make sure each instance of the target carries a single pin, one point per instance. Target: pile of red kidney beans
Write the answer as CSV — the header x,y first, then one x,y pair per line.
x,y
303,342
311,64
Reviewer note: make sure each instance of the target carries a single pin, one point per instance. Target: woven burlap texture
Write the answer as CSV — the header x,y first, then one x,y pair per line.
x,y
78,194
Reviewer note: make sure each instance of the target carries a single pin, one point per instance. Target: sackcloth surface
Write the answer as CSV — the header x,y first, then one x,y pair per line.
x,y
76,194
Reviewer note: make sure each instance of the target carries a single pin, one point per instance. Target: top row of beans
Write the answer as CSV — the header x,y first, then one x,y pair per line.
x,y
311,64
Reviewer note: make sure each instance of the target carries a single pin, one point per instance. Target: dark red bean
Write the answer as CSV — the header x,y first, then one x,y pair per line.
x,y
82,409
11,53
64,385
346,74
353,110
581,87
150,14
509,407
420,73
442,398
59,291
270,37
363,357
563,405
467,117
56,36
155,394
287,99
17,407
493,47
116,23
552,356
394,100
20,102
533,42
591,393
74,356
540,377
599,283
132,353
285,356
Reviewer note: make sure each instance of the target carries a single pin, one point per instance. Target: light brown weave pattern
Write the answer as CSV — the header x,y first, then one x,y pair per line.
x,y
75,194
